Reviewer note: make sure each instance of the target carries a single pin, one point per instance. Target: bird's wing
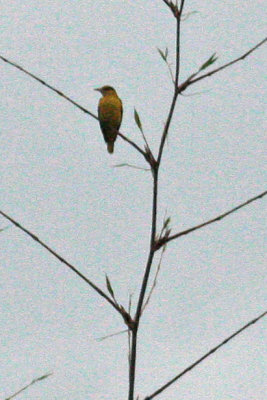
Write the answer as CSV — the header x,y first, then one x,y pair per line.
x,y
121,110
102,122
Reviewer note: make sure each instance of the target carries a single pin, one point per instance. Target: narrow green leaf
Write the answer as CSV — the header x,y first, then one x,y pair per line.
x,y
137,120
167,234
109,287
121,165
41,378
130,166
187,15
166,222
166,53
163,56
27,386
209,62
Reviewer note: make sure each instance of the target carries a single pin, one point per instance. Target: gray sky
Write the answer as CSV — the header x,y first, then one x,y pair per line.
x,y
57,180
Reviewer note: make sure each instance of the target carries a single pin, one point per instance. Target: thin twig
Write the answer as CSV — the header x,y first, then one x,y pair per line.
x,y
30,384
154,284
230,63
140,128
163,240
167,3
61,259
192,80
196,93
49,86
100,339
148,153
182,8
163,225
133,144
130,166
166,128
170,71
69,100
213,350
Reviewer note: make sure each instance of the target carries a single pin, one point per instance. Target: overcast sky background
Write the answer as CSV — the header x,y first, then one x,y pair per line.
x,y
57,180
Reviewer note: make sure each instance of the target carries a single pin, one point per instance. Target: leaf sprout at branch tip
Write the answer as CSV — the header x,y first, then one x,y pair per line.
x,y
209,62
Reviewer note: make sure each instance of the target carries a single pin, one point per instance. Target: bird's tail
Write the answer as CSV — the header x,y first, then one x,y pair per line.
x,y
110,146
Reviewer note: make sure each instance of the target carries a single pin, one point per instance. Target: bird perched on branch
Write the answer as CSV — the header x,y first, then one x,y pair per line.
x,y
110,115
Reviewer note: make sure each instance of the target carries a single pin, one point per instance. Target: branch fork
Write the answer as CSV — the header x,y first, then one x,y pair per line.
x,y
128,319
174,8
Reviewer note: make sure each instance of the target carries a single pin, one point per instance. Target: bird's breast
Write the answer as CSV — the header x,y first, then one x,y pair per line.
x,y
110,109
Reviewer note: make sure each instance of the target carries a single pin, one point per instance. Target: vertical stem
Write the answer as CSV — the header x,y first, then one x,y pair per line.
x,y
152,245
155,170
132,365
177,69
144,285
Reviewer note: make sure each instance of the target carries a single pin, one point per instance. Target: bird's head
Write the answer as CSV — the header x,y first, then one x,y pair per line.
x,y
106,90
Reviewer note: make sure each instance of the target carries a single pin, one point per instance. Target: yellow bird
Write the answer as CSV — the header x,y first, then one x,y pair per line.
x,y
110,115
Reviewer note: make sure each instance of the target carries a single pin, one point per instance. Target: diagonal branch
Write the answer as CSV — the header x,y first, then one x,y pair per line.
x,y
61,259
48,86
171,6
69,100
167,3
30,384
182,6
213,350
192,78
165,240
174,7
144,154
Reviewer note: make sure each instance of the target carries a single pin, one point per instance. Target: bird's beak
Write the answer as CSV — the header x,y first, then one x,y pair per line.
x,y
98,89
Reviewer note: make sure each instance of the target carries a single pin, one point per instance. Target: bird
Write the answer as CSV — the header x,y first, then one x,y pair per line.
x,y
110,113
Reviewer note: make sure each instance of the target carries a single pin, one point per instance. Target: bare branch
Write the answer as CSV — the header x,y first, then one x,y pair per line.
x,y
168,3
69,100
166,127
111,335
49,86
30,384
170,72
61,259
174,8
133,144
192,78
213,350
165,240
140,127
130,166
182,6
